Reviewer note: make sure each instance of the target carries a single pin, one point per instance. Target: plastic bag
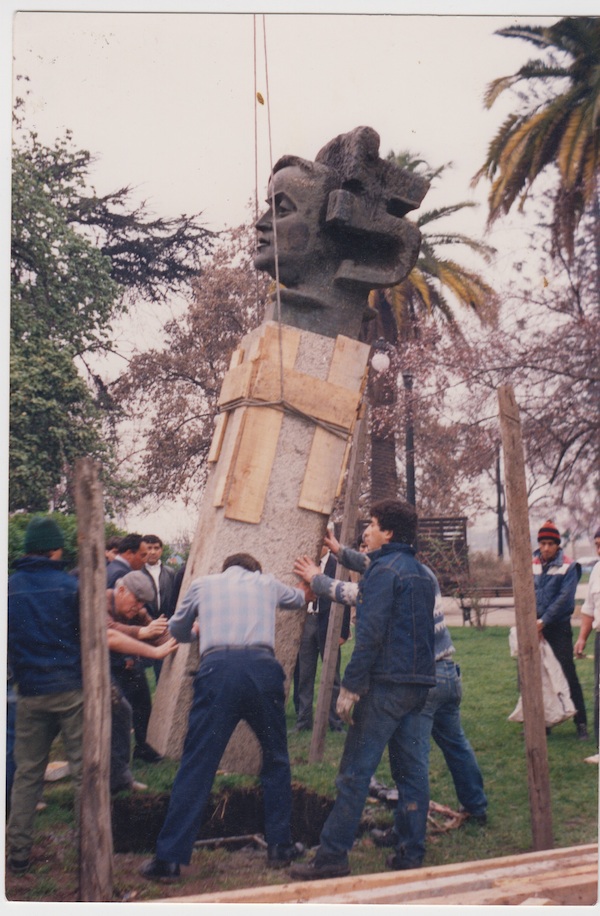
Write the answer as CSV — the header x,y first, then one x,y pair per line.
x,y
558,705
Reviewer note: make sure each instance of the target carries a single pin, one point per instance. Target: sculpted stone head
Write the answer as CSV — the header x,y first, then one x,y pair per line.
x,y
337,225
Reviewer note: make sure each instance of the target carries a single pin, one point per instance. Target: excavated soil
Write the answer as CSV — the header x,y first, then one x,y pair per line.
x,y
234,814
137,818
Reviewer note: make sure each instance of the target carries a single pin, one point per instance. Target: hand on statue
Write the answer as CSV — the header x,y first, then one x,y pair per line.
x,y
345,704
305,568
155,628
166,648
332,543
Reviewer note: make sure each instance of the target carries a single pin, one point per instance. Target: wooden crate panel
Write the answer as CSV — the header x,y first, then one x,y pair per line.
x,y
329,452
314,397
229,450
253,464
236,384
250,469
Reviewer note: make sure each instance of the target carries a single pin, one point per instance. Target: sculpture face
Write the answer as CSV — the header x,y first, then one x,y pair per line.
x,y
303,249
340,230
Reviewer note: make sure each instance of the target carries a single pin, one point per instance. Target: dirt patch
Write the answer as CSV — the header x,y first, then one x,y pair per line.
x,y
137,819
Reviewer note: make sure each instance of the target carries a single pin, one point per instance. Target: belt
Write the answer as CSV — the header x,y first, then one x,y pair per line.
x,y
254,647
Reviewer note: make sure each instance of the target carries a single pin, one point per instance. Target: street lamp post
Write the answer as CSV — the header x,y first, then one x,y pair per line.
x,y
409,441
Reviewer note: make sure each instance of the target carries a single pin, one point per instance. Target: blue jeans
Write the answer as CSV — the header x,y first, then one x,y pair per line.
x,y
230,685
121,776
441,716
386,714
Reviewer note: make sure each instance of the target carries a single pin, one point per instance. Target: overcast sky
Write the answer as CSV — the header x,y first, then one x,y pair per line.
x,y
165,101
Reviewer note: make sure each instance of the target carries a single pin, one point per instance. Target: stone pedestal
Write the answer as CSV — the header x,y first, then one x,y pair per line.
x,y
273,479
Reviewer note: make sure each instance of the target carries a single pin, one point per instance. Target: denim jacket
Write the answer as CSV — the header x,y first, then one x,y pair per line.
x,y
555,587
43,627
394,622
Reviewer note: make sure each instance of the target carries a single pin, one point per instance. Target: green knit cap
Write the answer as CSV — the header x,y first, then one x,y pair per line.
x,y
43,534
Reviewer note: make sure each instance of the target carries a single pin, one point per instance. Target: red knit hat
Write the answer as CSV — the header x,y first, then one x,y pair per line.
x,y
549,532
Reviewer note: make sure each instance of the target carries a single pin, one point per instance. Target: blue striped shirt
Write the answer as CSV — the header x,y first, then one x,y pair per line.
x,y
233,608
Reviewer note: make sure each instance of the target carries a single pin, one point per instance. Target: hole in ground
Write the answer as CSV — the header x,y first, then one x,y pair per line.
x,y
137,819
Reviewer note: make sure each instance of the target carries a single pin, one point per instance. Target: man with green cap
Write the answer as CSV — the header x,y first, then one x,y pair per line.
x,y
44,653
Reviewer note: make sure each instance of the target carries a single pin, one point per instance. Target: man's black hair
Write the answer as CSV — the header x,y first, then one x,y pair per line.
x,y
397,516
130,542
245,560
113,541
152,539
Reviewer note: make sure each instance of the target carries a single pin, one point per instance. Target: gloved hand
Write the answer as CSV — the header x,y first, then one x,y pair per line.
x,y
345,702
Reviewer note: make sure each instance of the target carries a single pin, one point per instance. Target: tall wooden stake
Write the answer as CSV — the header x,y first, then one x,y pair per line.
x,y
336,615
530,673
95,846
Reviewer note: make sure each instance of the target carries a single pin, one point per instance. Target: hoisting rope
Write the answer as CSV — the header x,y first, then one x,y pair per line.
x,y
280,403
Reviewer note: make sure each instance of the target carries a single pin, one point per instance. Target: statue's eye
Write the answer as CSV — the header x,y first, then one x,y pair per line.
x,y
284,205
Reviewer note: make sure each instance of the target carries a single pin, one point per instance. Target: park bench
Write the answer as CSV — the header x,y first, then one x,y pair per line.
x,y
493,595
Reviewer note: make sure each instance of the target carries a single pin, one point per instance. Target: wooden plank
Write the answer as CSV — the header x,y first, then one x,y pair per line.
x,y
327,454
217,439
221,419
423,881
280,338
530,671
229,451
336,615
251,468
495,885
95,839
236,384
327,402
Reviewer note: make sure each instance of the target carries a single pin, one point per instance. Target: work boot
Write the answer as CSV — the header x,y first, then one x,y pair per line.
x,y
321,866
160,870
400,863
279,855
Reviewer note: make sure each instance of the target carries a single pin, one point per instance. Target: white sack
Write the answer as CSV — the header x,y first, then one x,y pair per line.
x,y
558,705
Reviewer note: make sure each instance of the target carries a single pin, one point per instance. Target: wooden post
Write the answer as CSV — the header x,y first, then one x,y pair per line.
x,y
336,615
95,846
530,673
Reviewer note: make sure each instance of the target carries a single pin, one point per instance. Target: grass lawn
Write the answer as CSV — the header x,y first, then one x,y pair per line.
x,y
490,694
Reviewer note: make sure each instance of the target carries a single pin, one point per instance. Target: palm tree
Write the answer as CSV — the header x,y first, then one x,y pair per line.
x,y
560,126
428,291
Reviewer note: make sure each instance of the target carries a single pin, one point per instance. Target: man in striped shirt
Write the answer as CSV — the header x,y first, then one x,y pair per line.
x,y
233,613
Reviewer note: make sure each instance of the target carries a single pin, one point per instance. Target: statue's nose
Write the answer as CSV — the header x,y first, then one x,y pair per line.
x,y
264,221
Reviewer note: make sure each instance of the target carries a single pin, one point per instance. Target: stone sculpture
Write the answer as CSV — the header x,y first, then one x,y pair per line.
x,y
339,229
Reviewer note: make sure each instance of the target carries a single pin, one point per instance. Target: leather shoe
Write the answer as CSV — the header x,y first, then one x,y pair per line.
x,y
400,863
321,867
387,838
279,855
160,870
480,819
147,754
18,866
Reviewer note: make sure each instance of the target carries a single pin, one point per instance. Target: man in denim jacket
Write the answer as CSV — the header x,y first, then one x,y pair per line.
x,y
555,579
386,681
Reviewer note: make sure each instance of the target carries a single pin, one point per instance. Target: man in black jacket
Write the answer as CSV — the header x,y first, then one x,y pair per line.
x,y
312,646
160,576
